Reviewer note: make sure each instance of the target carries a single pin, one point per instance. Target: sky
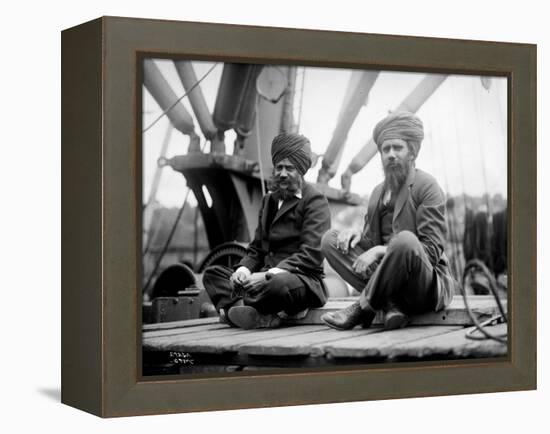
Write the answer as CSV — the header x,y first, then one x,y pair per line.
x,y
465,145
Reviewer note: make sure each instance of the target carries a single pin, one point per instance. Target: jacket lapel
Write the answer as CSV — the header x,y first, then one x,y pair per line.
x,y
373,216
271,201
285,207
404,193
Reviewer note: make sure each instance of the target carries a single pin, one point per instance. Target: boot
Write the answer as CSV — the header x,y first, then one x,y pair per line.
x,y
349,317
246,317
395,319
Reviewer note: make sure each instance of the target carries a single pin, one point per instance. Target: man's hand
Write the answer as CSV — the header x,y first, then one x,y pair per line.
x,y
370,257
347,240
254,281
238,278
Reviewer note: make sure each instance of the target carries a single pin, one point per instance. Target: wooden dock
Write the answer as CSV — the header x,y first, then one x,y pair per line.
x,y
205,345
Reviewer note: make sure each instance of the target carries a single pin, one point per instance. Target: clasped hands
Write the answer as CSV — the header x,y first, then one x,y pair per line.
x,y
347,240
247,282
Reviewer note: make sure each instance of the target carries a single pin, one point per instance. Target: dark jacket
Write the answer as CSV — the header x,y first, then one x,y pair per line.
x,y
293,240
419,208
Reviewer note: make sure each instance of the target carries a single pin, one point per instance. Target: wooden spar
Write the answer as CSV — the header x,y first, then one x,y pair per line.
x,y
359,87
230,92
411,103
189,80
287,121
166,98
246,114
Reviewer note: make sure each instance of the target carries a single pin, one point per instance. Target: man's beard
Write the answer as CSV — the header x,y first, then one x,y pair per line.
x,y
289,190
395,175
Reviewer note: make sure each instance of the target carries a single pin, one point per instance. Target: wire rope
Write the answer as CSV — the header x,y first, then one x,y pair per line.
x,y
165,112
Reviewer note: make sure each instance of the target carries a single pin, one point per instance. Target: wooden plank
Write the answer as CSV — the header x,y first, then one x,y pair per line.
x,y
382,344
184,330
228,340
217,344
168,343
179,324
302,344
455,298
484,307
455,345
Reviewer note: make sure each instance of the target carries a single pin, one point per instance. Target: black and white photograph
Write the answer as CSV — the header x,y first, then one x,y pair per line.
x,y
390,156
303,217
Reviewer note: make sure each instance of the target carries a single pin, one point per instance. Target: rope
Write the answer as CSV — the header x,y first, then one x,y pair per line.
x,y
257,121
480,327
167,243
461,171
156,181
170,236
301,100
180,98
479,114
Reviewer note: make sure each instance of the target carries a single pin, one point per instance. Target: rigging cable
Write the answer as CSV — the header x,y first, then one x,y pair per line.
x,y
452,232
479,114
477,265
180,98
257,121
170,236
155,184
301,99
461,171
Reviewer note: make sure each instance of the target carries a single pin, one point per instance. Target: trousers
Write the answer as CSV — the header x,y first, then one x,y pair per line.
x,y
284,292
404,278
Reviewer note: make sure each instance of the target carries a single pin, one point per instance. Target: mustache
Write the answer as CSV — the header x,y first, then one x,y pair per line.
x,y
293,184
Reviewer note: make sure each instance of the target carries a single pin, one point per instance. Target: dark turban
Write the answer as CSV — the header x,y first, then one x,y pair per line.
x,y
400,125
295,147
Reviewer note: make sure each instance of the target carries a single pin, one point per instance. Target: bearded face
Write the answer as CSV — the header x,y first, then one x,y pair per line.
x,y
286,179
397,161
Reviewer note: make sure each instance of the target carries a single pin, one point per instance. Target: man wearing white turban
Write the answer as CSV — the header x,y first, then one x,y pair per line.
x,y
282,272
397,262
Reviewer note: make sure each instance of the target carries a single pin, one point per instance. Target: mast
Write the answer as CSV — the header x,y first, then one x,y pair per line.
x,y
359,87
166,98
287,120
196,98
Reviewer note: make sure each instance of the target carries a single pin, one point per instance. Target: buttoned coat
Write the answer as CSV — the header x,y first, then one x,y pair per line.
x,y
293,240
420,209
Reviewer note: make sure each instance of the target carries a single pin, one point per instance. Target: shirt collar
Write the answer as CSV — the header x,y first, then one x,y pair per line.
x,y
298,195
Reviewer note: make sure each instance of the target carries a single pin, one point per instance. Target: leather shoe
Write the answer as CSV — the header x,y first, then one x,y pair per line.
x,y
223,313
349,317
395,319
246,317
224,319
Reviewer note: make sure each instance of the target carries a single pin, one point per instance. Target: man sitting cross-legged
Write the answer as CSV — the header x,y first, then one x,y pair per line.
x,y
281,274
397,262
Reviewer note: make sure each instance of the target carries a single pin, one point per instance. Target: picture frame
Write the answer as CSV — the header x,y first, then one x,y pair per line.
x,y
101,178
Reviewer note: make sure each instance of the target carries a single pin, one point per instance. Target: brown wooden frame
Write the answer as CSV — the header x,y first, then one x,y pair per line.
x,y
101,225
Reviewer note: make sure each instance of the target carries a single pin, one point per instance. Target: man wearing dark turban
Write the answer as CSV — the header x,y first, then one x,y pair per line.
x,y
397,262
281,274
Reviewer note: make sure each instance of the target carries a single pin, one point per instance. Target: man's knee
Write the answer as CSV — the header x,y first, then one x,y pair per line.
x,y
328,242
404,241
279,284
214,273
276,288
